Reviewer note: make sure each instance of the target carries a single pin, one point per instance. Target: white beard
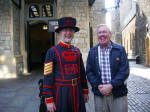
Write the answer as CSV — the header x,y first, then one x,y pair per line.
x,y
66,40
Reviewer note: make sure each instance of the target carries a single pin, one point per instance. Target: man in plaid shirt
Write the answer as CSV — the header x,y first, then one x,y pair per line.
x,y
107,70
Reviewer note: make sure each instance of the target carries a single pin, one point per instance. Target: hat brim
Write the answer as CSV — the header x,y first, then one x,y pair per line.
x,y
76,29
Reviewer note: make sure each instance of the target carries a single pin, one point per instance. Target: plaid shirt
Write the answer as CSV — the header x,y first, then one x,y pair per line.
x,y
104,62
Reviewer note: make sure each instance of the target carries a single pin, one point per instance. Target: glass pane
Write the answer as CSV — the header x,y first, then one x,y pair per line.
x,y
47,10
34,11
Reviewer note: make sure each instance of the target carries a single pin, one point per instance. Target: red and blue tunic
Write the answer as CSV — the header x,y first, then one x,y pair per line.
x,y
64,78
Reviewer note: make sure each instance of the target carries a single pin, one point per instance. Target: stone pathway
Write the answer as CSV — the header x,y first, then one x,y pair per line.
x,y
21,94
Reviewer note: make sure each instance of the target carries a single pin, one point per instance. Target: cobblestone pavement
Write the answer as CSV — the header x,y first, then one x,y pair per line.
x,y
21,94
139,88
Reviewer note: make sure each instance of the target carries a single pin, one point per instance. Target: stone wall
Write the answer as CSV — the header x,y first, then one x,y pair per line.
x,y
16,30
5,38
143,19
16,40
9,28
129,39
128,9
97,16
127,27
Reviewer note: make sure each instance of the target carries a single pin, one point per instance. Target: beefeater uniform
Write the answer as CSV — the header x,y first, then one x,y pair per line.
x,y
64,78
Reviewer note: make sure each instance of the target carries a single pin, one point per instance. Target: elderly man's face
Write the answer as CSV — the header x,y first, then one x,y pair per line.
x,y
67,35
104,36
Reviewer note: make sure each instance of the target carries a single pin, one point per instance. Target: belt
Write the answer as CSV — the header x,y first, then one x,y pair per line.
x,y
72,82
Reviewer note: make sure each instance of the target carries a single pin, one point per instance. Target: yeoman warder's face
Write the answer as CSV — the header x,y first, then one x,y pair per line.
x,y
104,36
67,35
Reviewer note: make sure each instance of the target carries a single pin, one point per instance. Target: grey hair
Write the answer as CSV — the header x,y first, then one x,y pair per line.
x,y
101,25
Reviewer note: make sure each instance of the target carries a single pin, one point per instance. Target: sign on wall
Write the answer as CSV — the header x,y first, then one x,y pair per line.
x,y
52,26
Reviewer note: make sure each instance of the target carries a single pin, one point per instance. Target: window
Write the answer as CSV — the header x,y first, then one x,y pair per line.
x,y
47,10
34,11
40,10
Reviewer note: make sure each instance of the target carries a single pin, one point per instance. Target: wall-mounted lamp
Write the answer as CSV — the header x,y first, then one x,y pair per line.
x,y
45,27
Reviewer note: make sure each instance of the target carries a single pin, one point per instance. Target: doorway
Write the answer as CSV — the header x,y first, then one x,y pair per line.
x,y
40,40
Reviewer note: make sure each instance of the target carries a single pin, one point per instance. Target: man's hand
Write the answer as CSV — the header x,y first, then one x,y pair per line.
x,y
105,89
86,98
51,107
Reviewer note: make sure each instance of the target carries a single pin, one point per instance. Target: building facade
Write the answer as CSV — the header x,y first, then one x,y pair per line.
x,y
27,30
134,23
